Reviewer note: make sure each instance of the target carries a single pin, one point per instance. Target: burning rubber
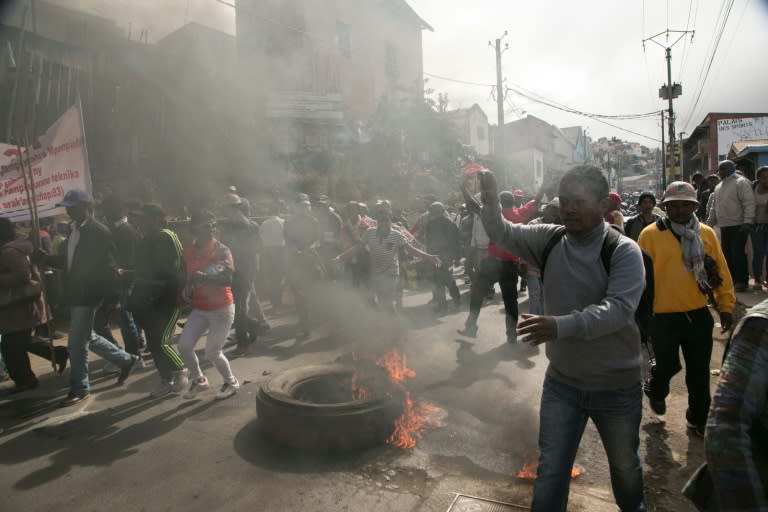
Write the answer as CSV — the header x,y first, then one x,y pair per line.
x,y
329,408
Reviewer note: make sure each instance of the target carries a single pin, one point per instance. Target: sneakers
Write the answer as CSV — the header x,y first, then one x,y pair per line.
x,y
227,390
698,430
468,331
126,370
657,406
163,389
180,380
72,399
197,385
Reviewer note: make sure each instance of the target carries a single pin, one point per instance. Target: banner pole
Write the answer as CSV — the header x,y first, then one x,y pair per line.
x,y
29,188
87,169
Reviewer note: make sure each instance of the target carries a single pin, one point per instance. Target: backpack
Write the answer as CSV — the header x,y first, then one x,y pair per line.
x,y
644,311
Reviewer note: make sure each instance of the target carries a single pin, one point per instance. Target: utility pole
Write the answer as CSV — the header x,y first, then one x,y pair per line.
x,y
669,91
682,171
500,101
663,157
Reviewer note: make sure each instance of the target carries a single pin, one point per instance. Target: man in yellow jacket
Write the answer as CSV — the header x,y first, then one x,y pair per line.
x,y
683,253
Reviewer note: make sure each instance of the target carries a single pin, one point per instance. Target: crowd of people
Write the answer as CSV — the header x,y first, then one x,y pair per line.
x,y
586,283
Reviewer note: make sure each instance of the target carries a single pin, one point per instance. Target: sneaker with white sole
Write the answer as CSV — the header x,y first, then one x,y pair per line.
x,y
163,389
180,380
197,385
227,390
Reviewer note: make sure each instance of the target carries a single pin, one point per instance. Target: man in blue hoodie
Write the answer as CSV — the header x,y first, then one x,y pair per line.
x,y
592,341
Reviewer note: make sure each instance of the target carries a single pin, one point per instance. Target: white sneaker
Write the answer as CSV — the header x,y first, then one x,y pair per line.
x,y
163,389
197,385
180,380
227,390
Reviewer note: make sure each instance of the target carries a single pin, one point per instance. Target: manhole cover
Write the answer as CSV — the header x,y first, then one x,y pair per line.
x,y
465,503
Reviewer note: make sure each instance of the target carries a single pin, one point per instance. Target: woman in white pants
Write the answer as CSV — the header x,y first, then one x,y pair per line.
x,y
209,276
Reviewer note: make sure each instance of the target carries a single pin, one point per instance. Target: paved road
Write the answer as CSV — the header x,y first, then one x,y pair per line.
x,y
124,452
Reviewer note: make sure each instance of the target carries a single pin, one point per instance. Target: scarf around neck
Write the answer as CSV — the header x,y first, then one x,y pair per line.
x,y
693,249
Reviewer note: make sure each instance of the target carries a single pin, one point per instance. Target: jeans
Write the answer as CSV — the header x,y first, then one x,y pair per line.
x,y
734,242
759,250
81,339
692,332
535,297
217,323
494,270
128,329
563,416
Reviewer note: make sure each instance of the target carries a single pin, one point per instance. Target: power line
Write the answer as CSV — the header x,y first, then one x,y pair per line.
x,y
711,60
538,98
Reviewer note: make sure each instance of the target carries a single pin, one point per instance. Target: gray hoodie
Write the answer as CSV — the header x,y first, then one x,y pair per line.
x,y
598,342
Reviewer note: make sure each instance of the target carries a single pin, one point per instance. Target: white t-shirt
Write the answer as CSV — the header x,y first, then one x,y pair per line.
x,y
271,232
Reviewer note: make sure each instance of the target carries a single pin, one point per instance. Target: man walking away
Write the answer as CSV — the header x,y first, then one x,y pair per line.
x,y
442,239
683,253
645,216
90,273
733,210
241,236
592,341
502,267
155,294
760,229
272,256
703,211
126,238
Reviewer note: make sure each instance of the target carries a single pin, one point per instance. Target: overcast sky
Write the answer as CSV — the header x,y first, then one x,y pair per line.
x,y
584,54
588,55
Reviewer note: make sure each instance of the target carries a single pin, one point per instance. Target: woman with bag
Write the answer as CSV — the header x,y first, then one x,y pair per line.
x,y
21,310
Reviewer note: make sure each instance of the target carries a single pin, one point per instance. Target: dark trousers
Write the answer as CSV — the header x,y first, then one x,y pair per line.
x,y
15,347
691,332
442,278
734,241
242,291
493,270
159,325
272,264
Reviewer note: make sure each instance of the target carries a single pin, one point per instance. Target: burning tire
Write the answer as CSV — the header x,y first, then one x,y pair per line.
x,y
329,407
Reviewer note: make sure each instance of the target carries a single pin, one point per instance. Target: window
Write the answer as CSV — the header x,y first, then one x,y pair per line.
x,y
481,133
390,62
343,39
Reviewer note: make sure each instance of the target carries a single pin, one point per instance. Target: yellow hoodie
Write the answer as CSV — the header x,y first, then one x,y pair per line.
x,y
675,288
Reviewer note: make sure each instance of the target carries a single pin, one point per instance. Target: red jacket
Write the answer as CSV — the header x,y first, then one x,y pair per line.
x,y
15,271
516,216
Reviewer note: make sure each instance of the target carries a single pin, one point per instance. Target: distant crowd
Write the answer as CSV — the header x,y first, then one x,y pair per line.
x,y
600,283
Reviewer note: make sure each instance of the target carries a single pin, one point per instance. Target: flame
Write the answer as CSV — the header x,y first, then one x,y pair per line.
x,y
528,471
417,416
358,392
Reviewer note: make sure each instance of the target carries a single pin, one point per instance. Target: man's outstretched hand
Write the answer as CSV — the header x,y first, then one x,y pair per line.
x,y
489,192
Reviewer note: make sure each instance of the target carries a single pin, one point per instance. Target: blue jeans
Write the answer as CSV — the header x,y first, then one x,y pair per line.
x,y
759,249
563,416
81,339
128,328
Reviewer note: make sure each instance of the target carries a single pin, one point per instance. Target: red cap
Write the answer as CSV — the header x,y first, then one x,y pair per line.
x,y
518,193
614,198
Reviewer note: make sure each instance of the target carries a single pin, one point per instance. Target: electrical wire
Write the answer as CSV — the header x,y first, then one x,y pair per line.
x,y
724,54
708,65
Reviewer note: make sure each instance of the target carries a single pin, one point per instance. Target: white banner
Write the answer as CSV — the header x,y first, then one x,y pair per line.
x,y
734,130
59,162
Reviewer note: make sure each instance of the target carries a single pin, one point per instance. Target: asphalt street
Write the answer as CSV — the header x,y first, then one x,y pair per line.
x,y
122,451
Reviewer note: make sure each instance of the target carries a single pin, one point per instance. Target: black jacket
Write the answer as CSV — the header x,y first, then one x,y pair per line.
x,y
442,238
93,273
126,238
160,269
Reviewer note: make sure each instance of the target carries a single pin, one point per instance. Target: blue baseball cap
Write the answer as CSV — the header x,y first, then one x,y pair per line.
x,y
75,197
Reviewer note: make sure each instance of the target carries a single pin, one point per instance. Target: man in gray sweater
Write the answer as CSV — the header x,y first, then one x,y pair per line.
x,y
592,341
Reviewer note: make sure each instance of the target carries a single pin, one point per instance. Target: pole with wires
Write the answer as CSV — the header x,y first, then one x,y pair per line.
x,y
500,104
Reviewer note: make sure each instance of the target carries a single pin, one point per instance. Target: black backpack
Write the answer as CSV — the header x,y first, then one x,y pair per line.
x,y
644,311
